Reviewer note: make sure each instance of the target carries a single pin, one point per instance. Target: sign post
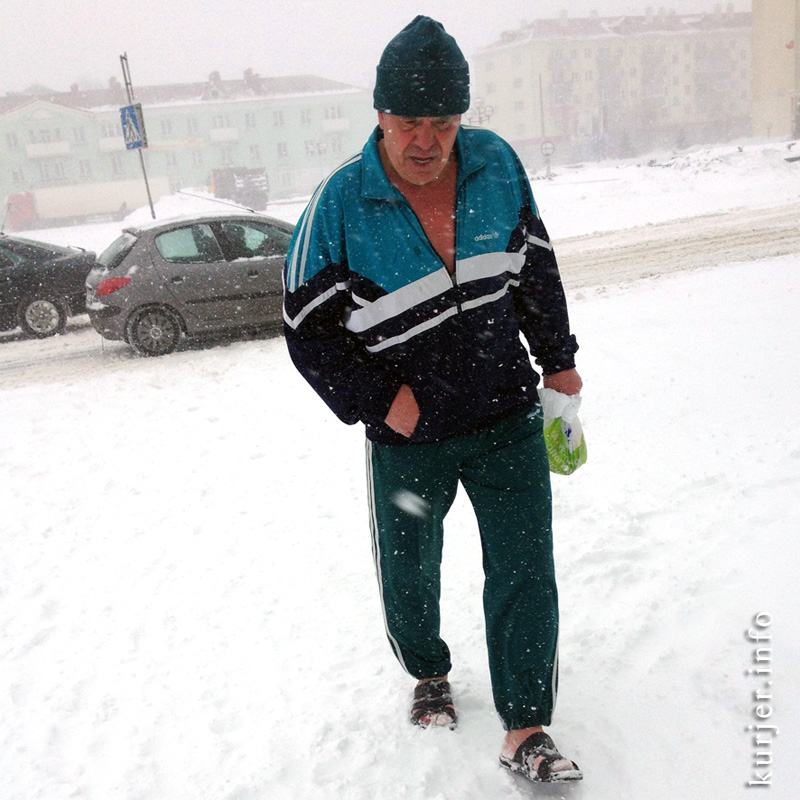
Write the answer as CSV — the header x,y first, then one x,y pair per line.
x,y
133,126
548,148
133,130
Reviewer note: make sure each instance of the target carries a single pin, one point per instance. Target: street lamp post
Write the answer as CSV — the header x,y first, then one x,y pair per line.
x,y
479,113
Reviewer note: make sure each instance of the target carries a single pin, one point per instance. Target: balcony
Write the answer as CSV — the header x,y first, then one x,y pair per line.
x,y
224,135
47,149
111,144
336,125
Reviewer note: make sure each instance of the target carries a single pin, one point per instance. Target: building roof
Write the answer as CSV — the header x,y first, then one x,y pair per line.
x,y
594,26
251,85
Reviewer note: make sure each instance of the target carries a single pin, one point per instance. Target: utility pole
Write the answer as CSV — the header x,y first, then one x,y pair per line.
x,y
133,125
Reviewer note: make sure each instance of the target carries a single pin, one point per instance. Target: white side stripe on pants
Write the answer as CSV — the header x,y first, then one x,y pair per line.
x,y
376,554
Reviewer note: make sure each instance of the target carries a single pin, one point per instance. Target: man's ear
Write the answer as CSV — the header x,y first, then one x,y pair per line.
x,y
380,120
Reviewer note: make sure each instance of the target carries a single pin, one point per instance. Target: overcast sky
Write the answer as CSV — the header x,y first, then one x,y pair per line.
x,y
58,44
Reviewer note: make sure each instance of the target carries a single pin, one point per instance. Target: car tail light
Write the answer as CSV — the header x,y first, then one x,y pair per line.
x,y
109,285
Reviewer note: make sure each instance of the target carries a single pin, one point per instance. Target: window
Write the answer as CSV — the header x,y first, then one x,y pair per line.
x,y
252,240
110,129
17,175
191,125
255,152
117,166
250,120
305,116
277,118
519,105
166,127
12,142
197,158
42,136
219,121
190,245
79,135
8,258
333,112
228,154
51,171
171,158
283,150
85,168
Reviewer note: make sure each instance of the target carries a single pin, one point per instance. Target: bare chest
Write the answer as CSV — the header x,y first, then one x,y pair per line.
x,y
435,207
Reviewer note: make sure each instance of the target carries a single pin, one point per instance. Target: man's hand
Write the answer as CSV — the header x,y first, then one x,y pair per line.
x,y
566,382
404,412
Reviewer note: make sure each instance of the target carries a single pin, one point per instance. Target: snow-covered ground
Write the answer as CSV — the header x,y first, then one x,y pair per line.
x,y
188,609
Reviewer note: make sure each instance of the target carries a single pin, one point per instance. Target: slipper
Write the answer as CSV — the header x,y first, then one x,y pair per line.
x,y
539,747
433,705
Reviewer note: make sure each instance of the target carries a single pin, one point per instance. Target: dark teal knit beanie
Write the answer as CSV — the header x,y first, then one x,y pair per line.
x,y
422,73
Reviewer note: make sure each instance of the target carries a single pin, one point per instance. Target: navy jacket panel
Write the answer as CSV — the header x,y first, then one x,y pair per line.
x,y
369,304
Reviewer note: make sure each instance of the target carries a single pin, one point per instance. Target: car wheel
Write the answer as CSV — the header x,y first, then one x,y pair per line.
x,y
42,316
154,331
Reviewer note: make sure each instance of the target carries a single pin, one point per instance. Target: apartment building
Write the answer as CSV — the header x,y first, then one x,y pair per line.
x,y
776,68
66,152
615,86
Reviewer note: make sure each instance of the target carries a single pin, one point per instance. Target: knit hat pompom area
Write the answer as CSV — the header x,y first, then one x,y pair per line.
x,y
422,73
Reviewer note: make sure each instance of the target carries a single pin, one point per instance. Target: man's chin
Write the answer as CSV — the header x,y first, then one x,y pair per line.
x,y
422,173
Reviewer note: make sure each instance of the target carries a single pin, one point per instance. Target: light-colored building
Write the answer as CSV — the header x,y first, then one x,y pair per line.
x,y
616,86
776,68
65,152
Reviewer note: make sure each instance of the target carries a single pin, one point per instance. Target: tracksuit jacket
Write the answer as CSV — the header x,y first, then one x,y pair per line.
x,y
369,305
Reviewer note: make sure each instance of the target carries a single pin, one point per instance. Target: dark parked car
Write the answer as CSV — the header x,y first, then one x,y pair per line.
x,y
164,280
41,285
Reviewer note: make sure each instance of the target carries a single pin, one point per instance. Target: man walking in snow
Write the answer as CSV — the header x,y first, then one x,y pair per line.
x,y
410,276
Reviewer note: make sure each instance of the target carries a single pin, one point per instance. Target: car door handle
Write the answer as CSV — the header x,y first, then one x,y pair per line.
x,y
177,279
252,273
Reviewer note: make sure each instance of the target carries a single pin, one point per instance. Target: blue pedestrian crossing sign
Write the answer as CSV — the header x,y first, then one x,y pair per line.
x,y
133,126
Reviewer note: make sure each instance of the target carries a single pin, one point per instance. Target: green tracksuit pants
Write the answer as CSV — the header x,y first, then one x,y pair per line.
x,y
504,470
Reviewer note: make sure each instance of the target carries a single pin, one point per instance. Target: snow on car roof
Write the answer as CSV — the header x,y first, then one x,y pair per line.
x,y
208,217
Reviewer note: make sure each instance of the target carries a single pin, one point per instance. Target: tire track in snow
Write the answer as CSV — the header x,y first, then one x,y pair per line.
x,y
677,246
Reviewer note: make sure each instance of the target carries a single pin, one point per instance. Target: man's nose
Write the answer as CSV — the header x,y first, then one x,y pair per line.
x,y
425,136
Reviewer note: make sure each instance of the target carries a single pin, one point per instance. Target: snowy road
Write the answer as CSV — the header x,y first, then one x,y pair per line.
x,y
732,236
597,259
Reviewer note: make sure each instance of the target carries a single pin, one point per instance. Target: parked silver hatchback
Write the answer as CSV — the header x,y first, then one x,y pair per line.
x,y
164,280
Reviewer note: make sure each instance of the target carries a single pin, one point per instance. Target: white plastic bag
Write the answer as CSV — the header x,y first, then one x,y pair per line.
x,y
563,433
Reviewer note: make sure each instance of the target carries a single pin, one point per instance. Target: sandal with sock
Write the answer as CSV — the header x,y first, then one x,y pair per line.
x,y
433,705
535,759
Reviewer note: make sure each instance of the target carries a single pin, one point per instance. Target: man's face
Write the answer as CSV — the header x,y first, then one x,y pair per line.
x,y
419,147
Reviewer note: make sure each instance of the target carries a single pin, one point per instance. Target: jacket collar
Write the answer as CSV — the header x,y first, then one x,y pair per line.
x,y
375,185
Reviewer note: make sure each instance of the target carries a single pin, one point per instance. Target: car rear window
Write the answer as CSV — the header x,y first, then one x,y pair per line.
x,y
32,247
113,254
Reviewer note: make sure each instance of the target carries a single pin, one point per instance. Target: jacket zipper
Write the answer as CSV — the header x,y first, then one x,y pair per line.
x,y
421,230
